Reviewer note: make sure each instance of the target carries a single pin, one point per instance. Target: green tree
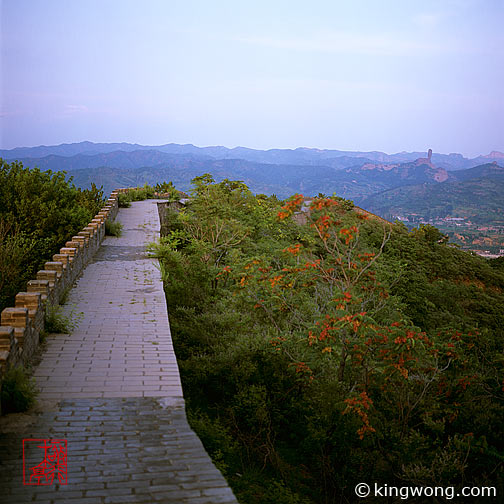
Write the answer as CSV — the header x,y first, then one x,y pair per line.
x,y
40,211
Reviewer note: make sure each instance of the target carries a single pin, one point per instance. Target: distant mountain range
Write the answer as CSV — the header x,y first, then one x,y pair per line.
x,y
299,156
382,183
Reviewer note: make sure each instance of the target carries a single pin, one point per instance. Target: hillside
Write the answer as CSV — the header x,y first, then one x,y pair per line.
x,y
395,175
490,170
470,210
282,180
478,195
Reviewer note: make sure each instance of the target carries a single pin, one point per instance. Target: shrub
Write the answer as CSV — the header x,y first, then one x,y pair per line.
x,y
57,322
141,193
124,200
18,391
113,228
135,194
17,260
167,188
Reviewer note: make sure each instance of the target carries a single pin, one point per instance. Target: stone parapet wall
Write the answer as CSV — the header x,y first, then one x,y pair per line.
x,y
164,207
21,325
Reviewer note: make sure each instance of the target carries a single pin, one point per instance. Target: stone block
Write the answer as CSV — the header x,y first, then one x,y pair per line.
x,y
51,276
99,223
57,266
97,231
25,335
87,234
62,258
41,286
6,337
69,251
9,349
74,244
22,336
15,317
30,300
68,256
91,230
83,240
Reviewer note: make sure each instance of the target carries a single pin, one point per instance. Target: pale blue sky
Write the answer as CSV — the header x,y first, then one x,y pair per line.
x,y
353,75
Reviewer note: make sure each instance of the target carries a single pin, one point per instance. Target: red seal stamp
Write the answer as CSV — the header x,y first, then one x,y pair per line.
x,y
52,454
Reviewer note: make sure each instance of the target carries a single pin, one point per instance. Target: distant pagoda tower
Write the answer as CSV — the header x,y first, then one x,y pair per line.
x,y
429,155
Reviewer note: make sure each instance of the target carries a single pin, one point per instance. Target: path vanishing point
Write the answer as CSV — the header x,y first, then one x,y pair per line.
x,y
112,390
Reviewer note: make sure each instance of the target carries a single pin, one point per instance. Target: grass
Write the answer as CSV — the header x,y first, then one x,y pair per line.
x,y
43,336
65,294
18,391
113,228
123,200
57,322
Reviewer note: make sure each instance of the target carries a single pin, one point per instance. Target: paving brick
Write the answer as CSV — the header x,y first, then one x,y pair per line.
x,y
120,499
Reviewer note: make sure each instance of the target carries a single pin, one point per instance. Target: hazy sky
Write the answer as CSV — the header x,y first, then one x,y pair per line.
x,y
353,75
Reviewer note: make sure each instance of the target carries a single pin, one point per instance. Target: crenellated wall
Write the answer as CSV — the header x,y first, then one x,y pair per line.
x,y
21,325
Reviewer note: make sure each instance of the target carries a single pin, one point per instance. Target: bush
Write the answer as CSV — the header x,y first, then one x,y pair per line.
x,y
57,322
124,200
17,251
39,212
113,228
135,194
141,193
167,188
18,391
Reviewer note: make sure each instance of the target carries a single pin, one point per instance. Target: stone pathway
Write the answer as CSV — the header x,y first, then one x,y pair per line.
x,y
112,389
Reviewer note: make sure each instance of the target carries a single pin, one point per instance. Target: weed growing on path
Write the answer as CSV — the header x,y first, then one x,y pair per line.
x,y
18,391
113,228
57,322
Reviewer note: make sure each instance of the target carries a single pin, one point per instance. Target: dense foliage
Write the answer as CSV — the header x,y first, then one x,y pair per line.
x,y
39,211
319,355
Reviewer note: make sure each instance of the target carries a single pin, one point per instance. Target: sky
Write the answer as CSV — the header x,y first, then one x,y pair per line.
x,y
402,75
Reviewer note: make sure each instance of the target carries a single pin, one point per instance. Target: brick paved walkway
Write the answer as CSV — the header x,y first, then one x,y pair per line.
x,y
115,390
